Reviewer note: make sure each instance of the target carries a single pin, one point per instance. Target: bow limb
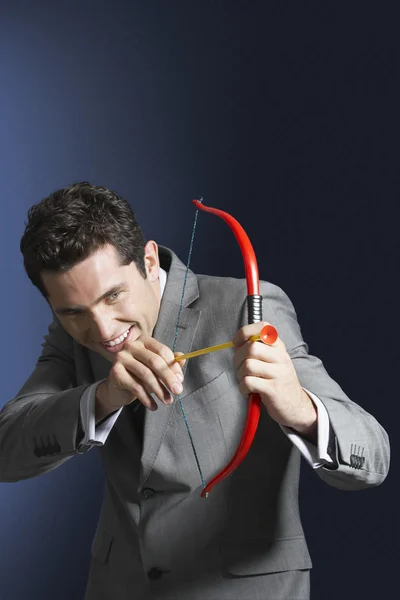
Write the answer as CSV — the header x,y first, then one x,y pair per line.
x,y
254,305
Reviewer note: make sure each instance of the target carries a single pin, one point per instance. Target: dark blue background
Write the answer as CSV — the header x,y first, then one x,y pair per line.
x,y
286,115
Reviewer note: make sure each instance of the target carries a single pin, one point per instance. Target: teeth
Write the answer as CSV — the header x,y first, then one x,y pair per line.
x,y
119,340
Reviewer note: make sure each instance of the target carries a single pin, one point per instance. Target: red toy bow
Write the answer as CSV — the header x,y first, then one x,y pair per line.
x,y
254,305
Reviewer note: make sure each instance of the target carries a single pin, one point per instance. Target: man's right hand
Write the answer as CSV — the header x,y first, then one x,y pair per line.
x,y
143,367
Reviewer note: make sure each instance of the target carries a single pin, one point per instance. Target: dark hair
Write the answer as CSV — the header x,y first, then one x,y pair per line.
x,y
69,225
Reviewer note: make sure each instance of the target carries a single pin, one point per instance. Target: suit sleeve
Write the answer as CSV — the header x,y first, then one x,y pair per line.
x,y
41,427
360,444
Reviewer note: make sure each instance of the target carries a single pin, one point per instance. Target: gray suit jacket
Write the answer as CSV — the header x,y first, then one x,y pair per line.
x,y
156,538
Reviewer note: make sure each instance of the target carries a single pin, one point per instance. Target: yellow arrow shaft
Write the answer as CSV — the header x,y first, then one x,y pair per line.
x,y
253,338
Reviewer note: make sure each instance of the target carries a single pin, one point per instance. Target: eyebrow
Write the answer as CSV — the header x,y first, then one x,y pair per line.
x,y
78,308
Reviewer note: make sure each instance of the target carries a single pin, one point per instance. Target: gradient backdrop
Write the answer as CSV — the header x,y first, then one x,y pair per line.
x,y
286,115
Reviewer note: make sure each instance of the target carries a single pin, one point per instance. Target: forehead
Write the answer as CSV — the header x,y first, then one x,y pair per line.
x,y
87,280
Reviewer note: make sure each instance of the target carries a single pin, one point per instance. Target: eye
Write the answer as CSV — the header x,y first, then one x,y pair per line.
x,y
114,296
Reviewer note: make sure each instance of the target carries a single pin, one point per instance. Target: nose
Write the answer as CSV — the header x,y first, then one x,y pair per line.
x,y
101,328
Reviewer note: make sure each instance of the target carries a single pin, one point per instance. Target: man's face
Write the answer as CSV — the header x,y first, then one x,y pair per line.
x,y
97,300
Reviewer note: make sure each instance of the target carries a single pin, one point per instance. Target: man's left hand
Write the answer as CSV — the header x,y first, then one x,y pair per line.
x,y
268,370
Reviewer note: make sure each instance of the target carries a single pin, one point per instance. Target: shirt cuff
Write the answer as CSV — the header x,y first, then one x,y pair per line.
x,y
316,456
94,435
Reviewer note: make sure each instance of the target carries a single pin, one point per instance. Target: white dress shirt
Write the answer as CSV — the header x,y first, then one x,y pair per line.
x,y
317,456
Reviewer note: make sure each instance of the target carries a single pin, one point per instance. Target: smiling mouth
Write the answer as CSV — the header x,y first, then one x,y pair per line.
x,y
118,340
118,344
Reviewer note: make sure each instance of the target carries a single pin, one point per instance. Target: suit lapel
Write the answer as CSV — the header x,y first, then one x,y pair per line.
x,y
156,423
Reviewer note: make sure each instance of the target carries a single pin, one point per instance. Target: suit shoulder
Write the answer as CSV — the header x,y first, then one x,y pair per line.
x,y
233,287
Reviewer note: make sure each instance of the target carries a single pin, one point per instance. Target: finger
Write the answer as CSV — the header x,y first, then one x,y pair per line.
x,y
129,388
257,368
140,382
158,348
177,367
257,351
147,400
243,335
161,360
181,362
148,380
252,385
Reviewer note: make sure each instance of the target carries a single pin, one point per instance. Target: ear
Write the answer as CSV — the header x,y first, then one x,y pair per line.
x,y
151,261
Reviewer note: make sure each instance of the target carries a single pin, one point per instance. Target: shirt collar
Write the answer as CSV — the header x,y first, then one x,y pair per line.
x,y
163,281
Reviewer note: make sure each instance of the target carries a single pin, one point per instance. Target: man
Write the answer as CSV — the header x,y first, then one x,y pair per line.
x,y
107,377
